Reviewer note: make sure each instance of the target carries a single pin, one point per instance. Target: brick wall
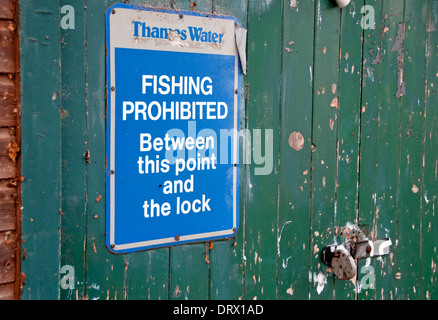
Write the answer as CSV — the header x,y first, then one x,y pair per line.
x,y
9,152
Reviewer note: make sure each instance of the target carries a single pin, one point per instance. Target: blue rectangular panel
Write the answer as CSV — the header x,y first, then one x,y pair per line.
x,y
172,174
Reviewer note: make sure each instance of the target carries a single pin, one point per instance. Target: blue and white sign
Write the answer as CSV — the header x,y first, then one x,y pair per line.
x,y
173,81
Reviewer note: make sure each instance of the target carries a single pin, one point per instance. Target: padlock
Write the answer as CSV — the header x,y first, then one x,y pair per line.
x,y
341,258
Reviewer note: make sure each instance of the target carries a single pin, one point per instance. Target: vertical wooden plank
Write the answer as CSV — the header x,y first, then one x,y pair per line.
x,y
147,272
8,199
379,145
411,158
7,291
238,9
41,147
147,275
383,223
73,120
8,106
264,68
189,270
295,150
324,140
429,276
7,256
7,9
7,47
105,272
349,95
152,3
226,257
10,187
226,268
372,48
192,5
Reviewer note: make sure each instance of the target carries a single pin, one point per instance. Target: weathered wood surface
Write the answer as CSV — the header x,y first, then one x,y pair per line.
x,y
9,154
7,46
41,148
7,9
8,107
353,111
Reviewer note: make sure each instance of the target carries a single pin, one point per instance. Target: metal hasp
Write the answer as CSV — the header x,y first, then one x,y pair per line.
x,y
341,258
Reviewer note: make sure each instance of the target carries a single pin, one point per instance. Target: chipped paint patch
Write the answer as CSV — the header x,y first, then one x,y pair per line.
x,y
311,74
296,141
177,292
319,280
414,188
335,103
398,47
286,259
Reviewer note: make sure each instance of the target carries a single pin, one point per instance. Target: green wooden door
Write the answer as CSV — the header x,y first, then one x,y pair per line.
x,y
344,100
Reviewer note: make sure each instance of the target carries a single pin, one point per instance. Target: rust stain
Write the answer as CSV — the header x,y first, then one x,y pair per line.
x,y
64,113
87,156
